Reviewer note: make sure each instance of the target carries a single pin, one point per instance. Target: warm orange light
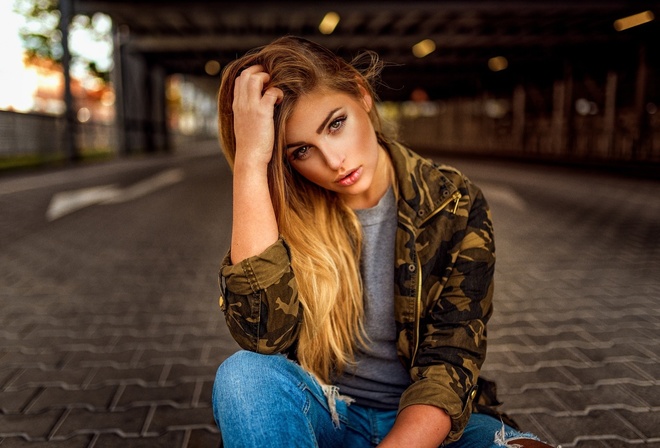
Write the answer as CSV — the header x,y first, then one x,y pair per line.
x,y
423,48
212,68
108,98
634,20
498,63
84,114
329,23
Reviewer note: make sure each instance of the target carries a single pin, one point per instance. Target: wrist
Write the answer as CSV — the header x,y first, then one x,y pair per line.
x,y
250,165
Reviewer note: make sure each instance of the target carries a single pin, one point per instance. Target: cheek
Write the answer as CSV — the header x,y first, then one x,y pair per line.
x,y
310,171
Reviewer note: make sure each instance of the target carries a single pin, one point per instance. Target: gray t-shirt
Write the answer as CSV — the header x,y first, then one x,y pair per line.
x,y
378,379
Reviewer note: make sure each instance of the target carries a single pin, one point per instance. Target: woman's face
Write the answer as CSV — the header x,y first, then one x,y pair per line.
x,y
331,142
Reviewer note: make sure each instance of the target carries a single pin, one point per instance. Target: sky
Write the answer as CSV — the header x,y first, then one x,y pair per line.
x,y
16,84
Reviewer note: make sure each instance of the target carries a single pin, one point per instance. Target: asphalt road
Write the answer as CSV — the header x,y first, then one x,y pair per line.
x,y
110,333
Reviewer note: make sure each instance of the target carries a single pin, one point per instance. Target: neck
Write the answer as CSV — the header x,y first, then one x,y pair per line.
x,y
379,185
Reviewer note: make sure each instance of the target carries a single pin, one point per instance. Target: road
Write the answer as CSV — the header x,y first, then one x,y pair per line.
x,y
110,332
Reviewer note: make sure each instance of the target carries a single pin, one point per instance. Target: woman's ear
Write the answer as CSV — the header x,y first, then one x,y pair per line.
x,y
367,100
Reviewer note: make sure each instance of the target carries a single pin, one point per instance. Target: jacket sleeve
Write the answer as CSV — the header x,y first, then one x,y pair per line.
x,y
259,297
457,294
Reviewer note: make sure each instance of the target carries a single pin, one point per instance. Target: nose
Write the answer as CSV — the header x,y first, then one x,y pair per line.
x,y
334,157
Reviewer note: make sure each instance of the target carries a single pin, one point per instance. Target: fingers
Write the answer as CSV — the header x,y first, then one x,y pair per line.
x,y
273,96
249,86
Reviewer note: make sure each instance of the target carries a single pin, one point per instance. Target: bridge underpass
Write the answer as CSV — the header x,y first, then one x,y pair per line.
x,y
548,80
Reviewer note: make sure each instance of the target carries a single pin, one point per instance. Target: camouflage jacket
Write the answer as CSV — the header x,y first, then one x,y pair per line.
x,y
445,259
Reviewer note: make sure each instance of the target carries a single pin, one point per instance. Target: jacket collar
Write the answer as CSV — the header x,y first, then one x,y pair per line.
x,y
422,187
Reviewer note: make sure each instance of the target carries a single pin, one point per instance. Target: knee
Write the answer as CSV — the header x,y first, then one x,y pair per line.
x,y
245,372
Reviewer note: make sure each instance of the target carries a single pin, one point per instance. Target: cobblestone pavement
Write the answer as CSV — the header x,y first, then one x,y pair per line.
x,y
110,333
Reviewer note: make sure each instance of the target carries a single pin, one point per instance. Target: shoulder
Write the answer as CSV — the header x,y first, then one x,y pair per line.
x,y
421,178
407,163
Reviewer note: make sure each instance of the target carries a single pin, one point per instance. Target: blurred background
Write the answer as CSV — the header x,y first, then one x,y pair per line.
x,y
567,81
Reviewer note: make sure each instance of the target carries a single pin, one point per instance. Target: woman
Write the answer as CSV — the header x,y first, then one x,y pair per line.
x,y
359,280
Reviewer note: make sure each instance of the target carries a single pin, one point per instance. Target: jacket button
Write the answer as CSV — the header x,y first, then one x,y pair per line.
x,y
421,213
412,267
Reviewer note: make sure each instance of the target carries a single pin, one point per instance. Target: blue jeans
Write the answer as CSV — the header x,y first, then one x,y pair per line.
x,y
270,401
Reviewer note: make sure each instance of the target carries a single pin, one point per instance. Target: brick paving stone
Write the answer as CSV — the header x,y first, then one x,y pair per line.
x,y
592,444
648,393
508,381
650,368
619,349
218,352
571,336
139,395
608,395
206,393
187,438
515,341
558,355
81,441
167,440
181,356
104,357
128,422
57,397
501,357
43,359
64,343
188,372
36,426
129,341
602,424
32,377
7,374
168,418
11,402
200,438
648,422
108,375
591,375
197,340
525,402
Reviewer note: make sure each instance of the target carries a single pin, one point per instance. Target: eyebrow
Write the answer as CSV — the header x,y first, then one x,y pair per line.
x,y
318,131
327,119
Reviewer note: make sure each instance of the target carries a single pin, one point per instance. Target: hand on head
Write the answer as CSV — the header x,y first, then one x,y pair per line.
x,y
253,109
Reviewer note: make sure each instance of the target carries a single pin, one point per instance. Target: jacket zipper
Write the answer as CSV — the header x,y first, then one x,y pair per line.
x,y
456,197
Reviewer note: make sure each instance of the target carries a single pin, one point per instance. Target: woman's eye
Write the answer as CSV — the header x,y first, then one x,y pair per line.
x,y
336,124
301,153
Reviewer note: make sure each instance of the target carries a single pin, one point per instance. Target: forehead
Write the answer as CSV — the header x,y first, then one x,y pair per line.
x,y
317,103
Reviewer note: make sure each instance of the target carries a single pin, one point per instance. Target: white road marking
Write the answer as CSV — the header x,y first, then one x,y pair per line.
x,y
147,186
66,202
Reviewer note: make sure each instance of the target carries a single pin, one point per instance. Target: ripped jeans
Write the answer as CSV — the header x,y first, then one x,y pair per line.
x,y
270,401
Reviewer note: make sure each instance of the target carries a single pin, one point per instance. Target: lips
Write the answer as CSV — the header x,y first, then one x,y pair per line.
x,y
351,178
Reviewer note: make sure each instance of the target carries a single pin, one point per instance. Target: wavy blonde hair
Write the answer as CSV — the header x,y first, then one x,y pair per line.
x,y
323,234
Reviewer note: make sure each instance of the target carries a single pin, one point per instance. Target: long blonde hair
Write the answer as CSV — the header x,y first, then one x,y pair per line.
x,y
323,234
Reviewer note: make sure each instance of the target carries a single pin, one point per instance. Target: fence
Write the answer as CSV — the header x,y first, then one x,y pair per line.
x,y
44,135
472,126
